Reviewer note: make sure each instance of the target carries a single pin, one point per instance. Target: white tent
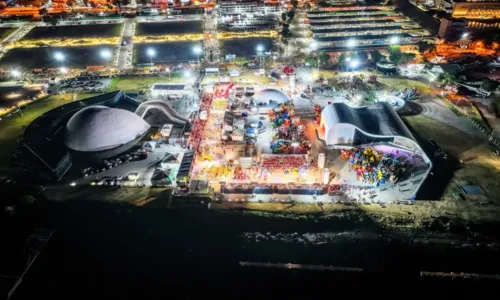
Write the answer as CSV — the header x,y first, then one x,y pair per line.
x,y
149,146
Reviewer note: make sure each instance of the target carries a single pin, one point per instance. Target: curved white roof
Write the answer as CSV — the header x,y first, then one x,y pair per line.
x,y
98,128
270,94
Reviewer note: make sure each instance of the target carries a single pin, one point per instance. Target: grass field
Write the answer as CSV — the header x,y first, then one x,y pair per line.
x,y
11,128
139,83
481,166
81,31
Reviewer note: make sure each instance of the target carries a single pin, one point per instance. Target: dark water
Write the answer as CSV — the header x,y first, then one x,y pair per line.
x,y
121,250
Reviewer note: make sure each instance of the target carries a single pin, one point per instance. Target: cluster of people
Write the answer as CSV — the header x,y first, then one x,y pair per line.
x,y
281,161
223,92
377,168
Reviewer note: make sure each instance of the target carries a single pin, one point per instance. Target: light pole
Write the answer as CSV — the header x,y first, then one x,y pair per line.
x,y
394,40
294,146
106,54
351,43
59,57
197,50
354,64
151,53
15,73
260,53
168,71
348,59
430,80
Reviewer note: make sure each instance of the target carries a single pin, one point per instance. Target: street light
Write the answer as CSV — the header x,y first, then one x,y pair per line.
x,y
260,50
431,79
106,54
313,46
197,50
59,57
354,64
187,74
168,71
151,53
15,73
464,35
294,146
351,43
63,70
394,40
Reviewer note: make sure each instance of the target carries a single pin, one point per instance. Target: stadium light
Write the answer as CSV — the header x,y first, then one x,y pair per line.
x,y
313,46
59,56
394,40
354,64
106,54
351,43
15,73
197,50
151,53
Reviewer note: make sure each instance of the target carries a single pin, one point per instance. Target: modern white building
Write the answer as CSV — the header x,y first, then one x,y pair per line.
x,y
100,128
234,7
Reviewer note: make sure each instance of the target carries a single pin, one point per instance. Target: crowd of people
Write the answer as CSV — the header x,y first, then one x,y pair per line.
x,y
373,167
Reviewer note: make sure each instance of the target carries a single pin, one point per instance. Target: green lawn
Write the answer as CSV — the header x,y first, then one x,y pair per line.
x,y
399,84
11,128
136,83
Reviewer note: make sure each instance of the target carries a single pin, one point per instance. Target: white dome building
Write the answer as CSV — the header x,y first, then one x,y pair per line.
x,y
100,128
270,95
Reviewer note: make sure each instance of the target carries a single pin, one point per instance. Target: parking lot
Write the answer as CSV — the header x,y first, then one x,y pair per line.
x,y
141,165
84,84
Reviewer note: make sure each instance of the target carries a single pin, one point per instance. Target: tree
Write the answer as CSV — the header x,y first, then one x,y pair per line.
x,y
376,56
53,21
283,16
241,61
362,55
426,47
343,59
308,5
323,57
291,14
489,85
311,61
294,3
397,57
42,12
446,77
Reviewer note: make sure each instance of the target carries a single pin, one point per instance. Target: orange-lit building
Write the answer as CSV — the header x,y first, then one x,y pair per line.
x,y
476,10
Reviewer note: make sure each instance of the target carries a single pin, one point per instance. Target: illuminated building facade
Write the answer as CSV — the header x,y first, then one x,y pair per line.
x,y
477,10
